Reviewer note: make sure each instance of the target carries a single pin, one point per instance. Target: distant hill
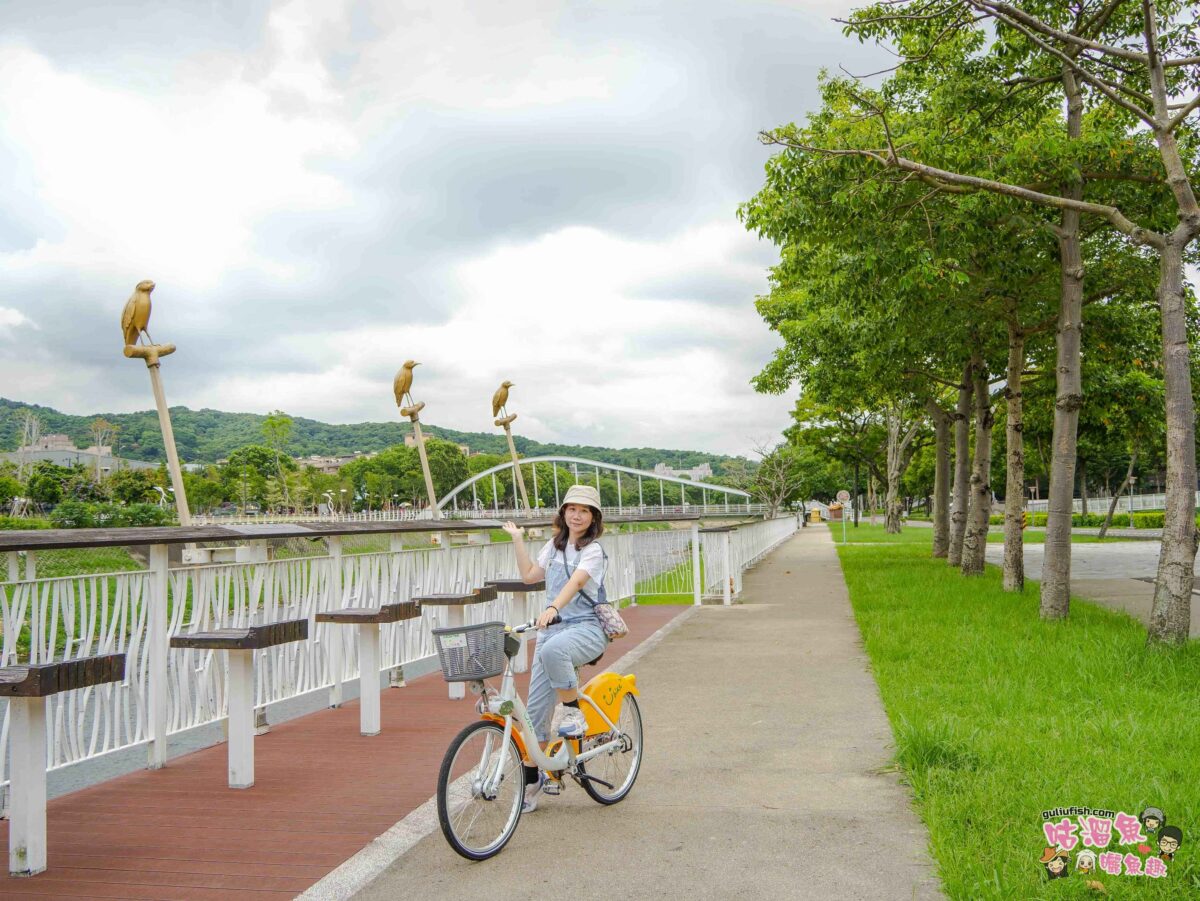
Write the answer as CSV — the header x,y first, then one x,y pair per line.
x,y
205,436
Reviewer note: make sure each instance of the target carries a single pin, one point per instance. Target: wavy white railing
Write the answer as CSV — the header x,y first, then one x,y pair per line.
x,y
79,616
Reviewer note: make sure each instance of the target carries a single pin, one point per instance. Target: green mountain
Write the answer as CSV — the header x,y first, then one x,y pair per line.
x,y
205,436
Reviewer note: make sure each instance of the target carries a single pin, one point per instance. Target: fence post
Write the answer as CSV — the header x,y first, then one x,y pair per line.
x,y
726,552
14,566
157,642
630,540
696,586
332,634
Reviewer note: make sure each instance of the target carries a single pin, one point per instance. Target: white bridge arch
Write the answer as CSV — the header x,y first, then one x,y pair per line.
x,y
704,494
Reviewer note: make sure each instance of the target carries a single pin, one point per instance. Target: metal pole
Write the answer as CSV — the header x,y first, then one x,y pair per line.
x,y
520,479
333,634
661,502
416,423
696,584
536,497
495,495
164,422
554,467
641,503
619,509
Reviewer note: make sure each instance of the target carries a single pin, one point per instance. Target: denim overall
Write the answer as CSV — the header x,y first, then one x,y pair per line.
x,y
577,640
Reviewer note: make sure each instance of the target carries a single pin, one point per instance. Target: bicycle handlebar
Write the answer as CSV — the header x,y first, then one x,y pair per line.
x,y
532,625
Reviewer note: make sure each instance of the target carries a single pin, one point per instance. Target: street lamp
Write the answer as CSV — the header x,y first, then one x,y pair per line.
x,y
342,506
1132,479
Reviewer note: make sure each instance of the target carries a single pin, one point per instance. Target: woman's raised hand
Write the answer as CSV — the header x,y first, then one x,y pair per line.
x,y
514,530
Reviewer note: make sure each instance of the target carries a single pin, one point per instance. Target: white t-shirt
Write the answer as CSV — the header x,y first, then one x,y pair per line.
x,y
590,560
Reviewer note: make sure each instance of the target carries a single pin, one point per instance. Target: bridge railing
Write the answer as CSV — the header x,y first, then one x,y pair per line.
x,y
500,513
167,692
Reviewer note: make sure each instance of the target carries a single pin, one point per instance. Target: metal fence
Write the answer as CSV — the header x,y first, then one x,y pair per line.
x,y
1100,504
166,691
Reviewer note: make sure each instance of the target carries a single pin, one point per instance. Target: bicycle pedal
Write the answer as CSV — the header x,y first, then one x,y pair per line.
x,y
552,786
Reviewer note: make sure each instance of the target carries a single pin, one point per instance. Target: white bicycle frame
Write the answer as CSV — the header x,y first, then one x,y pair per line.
x,y
565,758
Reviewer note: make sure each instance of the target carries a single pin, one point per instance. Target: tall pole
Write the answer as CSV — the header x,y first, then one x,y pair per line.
x,y
512,450
416,424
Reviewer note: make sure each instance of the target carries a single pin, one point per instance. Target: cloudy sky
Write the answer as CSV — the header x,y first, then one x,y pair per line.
x,y
537,191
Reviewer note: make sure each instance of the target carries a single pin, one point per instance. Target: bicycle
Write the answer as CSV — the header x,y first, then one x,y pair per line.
x,y
481,784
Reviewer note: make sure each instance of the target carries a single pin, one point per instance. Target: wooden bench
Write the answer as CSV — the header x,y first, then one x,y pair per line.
x,y
454,602
240,645
368,620
26,687
517,588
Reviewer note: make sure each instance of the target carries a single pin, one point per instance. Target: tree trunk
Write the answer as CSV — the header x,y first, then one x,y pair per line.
x,y
857,497
1083,495
940,514
975,539
962,468
1014,491
1112,505
1056,562
899,455
1170,615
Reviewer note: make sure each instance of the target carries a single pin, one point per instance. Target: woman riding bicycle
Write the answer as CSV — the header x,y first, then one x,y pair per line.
x,y
573,564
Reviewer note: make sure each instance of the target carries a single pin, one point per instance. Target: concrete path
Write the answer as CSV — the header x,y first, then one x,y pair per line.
x,y
763,776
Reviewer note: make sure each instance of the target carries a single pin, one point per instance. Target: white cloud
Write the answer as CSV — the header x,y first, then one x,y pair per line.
x,y
10,319
555,317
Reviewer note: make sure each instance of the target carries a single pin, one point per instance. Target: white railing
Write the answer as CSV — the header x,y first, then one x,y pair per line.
x,y
78,616
1100,504
501,513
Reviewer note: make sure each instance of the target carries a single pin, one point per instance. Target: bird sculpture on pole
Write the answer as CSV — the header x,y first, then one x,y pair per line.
x,y
500,403
134,320
500,398
402,386
136,315
403,383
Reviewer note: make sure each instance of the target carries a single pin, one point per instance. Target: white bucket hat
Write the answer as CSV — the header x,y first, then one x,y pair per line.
x,y
582,494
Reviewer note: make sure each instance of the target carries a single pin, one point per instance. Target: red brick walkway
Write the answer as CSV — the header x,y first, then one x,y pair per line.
x,y
322,792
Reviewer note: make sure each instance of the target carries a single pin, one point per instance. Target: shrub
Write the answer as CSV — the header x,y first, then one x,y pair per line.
x,y
17,523
74,515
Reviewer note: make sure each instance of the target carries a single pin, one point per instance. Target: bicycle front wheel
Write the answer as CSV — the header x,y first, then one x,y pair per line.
x,y
619,767
480,790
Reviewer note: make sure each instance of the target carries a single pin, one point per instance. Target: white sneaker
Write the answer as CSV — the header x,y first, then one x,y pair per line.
x,y
532,792
572,725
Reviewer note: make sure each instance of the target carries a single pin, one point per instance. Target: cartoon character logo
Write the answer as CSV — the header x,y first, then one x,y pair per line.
x,y
1055,862
1153,819
1169,841
1085,861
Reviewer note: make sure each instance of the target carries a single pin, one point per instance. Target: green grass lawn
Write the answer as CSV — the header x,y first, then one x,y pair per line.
x,y
998,716
923,535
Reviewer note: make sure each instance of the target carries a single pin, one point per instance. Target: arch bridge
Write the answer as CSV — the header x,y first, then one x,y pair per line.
x,y
623,490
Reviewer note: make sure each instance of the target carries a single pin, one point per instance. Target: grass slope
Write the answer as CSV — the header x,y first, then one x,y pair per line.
x,y
998,716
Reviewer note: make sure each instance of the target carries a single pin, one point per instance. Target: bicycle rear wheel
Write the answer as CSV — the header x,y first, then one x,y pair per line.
x,y
619,767
477,822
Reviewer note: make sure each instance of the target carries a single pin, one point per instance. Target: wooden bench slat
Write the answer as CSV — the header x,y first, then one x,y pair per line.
x,y
516,586
39,680
251,638
388,613
456,599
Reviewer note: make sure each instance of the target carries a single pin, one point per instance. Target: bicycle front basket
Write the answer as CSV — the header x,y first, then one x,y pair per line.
x,y
471,652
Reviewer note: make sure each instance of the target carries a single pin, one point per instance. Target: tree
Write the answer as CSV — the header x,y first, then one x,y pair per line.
x,y
1132,63
102,435
132,486
276,429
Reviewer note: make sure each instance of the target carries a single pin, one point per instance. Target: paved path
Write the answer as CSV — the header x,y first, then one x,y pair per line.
x,y
765,743
322,792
